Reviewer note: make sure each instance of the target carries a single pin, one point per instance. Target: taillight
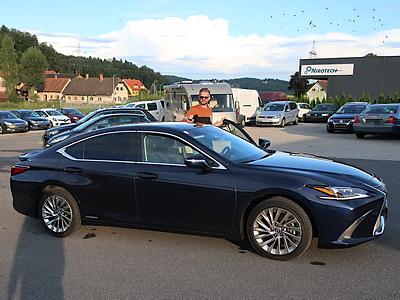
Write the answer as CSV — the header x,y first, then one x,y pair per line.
x,y
15,170
391,120
356,120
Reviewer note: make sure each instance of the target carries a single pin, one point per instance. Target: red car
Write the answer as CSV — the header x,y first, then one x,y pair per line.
x,y
72,113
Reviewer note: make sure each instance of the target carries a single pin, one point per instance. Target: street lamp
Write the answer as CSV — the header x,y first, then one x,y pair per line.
x,y
113,92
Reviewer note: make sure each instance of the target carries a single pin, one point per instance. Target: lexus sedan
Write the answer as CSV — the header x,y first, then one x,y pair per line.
x,y
199,179
378,119
320,113
34,120
11,123
343,119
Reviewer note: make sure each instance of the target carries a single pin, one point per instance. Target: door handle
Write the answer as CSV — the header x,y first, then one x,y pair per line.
x,y
145,175
73,170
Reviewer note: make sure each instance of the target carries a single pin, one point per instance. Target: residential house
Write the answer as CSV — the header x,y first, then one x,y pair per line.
x,y
97,90
53,89
318,90
135,87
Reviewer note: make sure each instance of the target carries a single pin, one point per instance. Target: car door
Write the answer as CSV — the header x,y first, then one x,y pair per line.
x,y
172,195
154,110
100,173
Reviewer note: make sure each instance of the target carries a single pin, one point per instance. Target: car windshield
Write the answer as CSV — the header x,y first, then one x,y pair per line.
x,y
227,145
274,107
381,109
54,113
351,109
218,102
29,113
323,107
7,115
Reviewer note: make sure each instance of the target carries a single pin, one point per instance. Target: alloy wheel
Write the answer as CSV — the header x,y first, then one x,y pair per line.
x,y
277,231
56,214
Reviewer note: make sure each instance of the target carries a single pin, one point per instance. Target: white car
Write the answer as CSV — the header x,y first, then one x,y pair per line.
x,y
278,113
303,109
155,107
55,117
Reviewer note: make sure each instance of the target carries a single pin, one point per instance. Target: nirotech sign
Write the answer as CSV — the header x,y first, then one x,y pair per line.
x,y
329,70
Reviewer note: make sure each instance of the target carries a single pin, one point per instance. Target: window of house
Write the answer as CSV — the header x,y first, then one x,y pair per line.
x,y
51,96
99,98
91,98
75,98
58,97
69,97
83,98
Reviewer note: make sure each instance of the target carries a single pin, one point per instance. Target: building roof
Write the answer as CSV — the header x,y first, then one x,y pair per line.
x,y
323,84
91,86
131,83
50,72
273,96
54,85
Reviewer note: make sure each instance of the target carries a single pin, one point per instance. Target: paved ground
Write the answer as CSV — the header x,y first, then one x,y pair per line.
x,y
105,262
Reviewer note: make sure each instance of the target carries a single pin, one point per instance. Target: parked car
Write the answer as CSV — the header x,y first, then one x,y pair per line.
x,y
155,107
320,113
55,117
278,113
97,123
34,120
72,113
378,119
54,131
343,119
199,179
249,103
303,109
11,123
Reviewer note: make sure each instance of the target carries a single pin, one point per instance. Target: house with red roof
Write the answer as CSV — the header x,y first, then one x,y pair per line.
x,y
135,86
53,89
318,90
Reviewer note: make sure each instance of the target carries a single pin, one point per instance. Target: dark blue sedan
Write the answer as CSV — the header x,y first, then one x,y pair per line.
x,y
199,179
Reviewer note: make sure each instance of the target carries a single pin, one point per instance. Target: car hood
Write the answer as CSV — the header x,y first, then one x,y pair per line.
x,y
344,116
320,112
63,128
14,121
37,119
314,164
269,113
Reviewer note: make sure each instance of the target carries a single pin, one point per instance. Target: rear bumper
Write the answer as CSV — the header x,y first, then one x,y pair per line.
x,y
382,129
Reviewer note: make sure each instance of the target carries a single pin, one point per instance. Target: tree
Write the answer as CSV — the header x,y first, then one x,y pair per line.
x,y
9,66
298,85
32,65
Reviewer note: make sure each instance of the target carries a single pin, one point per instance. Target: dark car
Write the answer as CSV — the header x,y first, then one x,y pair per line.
x,y
34,120
11,123
72,113
97,123
378,119
199,179
343,119
320,113
53,131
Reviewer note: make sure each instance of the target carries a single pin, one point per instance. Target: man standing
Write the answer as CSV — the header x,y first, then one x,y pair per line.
x,y
201,113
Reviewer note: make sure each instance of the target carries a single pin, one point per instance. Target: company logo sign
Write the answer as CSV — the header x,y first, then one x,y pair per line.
x,y
328,70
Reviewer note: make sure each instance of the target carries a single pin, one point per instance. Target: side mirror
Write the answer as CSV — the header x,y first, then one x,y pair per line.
x,y
197,162
237,105
184,106
264,143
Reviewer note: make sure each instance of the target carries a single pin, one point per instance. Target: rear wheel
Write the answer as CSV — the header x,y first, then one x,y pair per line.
x,y
360,135
279,229
59,212
296,120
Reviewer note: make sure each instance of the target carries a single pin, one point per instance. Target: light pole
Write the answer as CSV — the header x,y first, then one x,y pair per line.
x,y
113,92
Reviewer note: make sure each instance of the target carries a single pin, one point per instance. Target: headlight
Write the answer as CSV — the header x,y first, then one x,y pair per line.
x,y
33,122
329,120
324,115
8,123
276,117
340,193
54,118
58,139
54,132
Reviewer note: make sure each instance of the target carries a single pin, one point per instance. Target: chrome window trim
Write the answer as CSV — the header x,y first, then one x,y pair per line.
x,y
63,152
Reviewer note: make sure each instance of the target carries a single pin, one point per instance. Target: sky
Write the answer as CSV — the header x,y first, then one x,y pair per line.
x,y
211,39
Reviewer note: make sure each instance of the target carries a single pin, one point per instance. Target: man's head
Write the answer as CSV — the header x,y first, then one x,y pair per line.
x,y
204,96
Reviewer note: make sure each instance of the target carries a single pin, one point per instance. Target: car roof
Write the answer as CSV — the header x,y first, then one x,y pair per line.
x,y
383,104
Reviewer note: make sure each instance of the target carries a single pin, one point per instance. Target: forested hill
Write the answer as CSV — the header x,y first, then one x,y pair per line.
x,y
265,85
82,65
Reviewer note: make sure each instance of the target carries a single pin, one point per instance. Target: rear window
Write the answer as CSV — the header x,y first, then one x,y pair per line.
x,y
381,109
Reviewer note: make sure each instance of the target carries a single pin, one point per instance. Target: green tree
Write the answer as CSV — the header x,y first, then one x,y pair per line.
x,y
9,66
298,84
32,65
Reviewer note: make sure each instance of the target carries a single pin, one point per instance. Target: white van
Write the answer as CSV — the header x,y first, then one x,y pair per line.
x,y
181,96
249,103
155,107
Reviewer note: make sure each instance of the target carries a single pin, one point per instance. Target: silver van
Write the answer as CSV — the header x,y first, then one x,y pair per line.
x,y
278,113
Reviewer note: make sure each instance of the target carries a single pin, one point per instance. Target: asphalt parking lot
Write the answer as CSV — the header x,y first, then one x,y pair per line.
x,y
105,262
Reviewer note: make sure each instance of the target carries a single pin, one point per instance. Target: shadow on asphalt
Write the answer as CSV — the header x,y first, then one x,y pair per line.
x,y
38,267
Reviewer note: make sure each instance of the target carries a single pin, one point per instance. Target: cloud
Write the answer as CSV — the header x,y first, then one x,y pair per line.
x,y
199,47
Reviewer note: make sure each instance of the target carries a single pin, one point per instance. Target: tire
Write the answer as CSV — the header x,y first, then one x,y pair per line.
x,y
330,130
59,212
51,124
296,120
243,123
360,135
1,129
293,239
283,123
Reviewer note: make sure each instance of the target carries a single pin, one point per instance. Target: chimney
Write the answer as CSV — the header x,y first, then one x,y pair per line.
x,y
101,77
87,76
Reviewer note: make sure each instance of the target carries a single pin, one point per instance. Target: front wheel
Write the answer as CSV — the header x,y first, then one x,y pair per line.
x,y
1,129
279,229
59,212
283,122
360,135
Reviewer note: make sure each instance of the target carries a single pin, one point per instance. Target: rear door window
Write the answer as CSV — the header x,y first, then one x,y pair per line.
x,y
151,106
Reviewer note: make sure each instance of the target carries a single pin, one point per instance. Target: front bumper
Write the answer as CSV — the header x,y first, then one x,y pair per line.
x,y
40,126
267,121
16,128
341,125
321,119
